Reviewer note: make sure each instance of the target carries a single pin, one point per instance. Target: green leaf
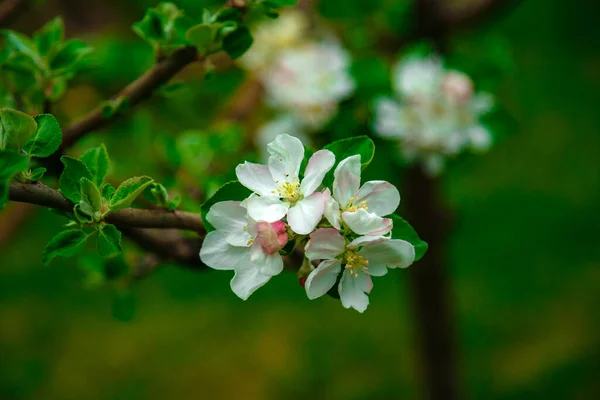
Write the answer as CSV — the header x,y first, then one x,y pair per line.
x,y
157,194
107,191
403,230
10,163
109,241
362,145
49,35
237,42
128,191
97,161
173,203
150,27
83,213
69,56
24,45
228,14
37,174
47,137
65,244
16,127
230,191
200,36
70,179
91,194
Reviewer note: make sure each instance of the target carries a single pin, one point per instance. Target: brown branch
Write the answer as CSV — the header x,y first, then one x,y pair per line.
x,y
8,10
43,195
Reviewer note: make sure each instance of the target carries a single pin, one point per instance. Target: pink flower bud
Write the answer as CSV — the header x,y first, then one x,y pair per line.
x,y
272,236
302,281
457,87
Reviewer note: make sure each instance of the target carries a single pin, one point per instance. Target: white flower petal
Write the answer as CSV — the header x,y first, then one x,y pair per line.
x,y
346,179
256,177
390,119
230,218
377,269
382,197
353,290
325,244
393,253
318,165
304,216
332,210
480,138
218,254
267,208
246,280
363,240
363,222
322,278
267,264
287,153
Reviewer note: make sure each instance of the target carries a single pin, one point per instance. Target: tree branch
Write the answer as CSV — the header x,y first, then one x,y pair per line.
x,y
43,195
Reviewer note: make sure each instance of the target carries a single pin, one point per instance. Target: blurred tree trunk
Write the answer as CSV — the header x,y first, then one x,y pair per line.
x,y
430,288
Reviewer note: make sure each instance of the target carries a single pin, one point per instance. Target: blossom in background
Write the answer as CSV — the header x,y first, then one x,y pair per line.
x,y
359,259
309,81
271,37
283,123
361,208
278,191
435,115
241,244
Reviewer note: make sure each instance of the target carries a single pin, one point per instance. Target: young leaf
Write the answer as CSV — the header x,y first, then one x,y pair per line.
x,y
10,163
157,194
128,191
237,42
37,174
97,161
200,36
24,45
16,128
173,203
49,35
403,230
69,56
107,191
90,194
83,213
70,179
229,191
150,28
65,244
46,139
228,14
344,148
109,241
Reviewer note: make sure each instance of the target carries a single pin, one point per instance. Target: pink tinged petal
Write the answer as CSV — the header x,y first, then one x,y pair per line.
x,y
218,254
382,198
267,264
363,222
393,253
376,270
268,209
332,210
271,236
230,218
353,290
246,281
325,244
319,164
364,240
287,153
256,177
322,278
306,214
346,179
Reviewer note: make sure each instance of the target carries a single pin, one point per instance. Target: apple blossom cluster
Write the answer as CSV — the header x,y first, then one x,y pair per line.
x,y
345,231
435,114
304,78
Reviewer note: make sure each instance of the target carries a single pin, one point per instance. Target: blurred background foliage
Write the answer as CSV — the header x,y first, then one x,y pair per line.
x,y
523,253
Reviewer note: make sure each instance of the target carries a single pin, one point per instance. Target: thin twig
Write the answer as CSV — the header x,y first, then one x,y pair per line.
x,y
43,195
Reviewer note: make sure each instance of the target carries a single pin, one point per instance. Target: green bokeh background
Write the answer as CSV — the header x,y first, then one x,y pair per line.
x,y
524,253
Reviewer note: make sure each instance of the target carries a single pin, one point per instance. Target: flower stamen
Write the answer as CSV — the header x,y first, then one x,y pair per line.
x,y
355,262
351,207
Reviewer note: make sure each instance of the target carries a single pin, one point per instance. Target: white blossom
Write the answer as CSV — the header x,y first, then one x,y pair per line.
x,y
241,244
283,123
361,208
278,191
359,259
435,113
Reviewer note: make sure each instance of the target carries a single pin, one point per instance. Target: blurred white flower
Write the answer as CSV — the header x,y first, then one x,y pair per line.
x,y
284,123
435,113
273,36
308,81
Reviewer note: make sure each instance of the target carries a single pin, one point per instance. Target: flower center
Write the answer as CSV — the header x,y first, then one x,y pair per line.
x,y
272,236
355,262
351,207
290,191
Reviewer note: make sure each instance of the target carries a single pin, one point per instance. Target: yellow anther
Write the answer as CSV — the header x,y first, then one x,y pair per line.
x,y
250,242
355,262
